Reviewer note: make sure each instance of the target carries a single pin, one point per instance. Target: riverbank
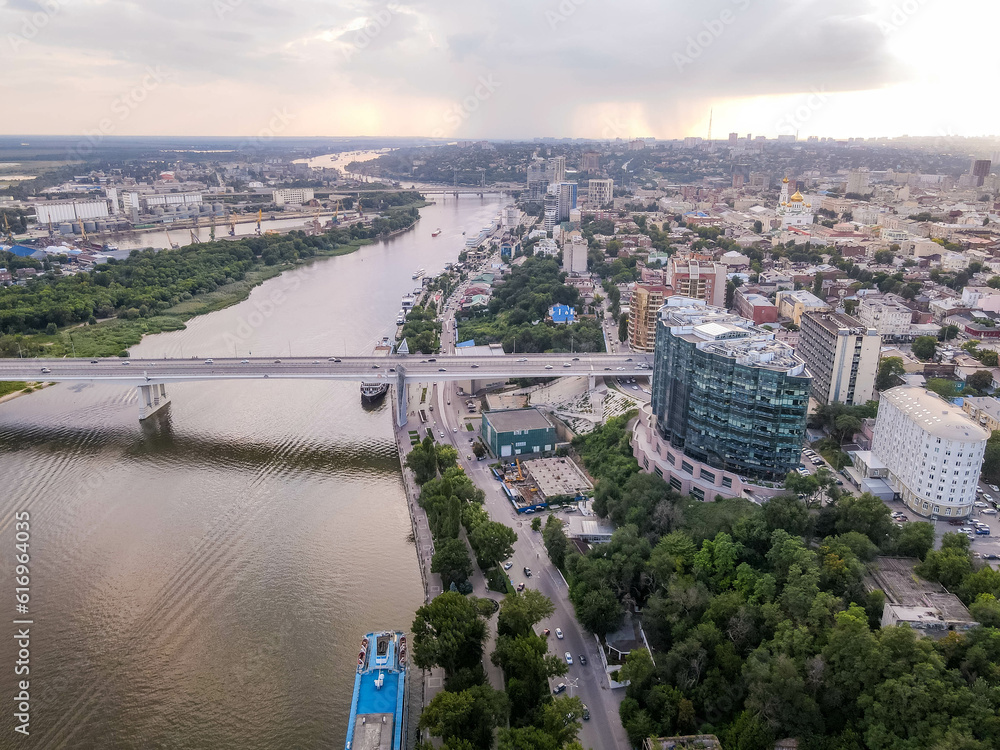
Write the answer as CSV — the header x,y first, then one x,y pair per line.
x,y
115,336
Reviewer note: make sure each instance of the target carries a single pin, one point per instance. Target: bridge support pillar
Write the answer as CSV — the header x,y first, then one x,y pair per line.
x,y
401,402
591,381
152,398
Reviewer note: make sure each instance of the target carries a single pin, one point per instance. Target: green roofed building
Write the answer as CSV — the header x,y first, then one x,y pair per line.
x,y
518,432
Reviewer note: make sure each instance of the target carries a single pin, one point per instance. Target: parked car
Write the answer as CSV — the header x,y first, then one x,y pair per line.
x,y
559,633
561,687
508,565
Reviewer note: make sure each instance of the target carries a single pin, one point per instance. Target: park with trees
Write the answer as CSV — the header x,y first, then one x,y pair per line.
x,y
759,621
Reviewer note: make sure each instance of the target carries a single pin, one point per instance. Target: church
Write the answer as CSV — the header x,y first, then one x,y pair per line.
x,y
793,211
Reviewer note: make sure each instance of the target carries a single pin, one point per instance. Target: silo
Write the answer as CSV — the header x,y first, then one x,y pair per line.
x,y
90,226
66,228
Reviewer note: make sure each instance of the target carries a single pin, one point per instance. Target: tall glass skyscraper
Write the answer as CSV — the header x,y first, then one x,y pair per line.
x,y
726,393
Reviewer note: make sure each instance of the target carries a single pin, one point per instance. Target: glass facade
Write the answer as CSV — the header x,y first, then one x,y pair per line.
x,y
744,418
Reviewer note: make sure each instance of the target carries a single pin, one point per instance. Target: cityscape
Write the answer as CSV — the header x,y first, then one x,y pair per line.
x,y
315,327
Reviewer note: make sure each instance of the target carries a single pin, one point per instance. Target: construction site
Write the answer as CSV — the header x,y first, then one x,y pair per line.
x,y
536,484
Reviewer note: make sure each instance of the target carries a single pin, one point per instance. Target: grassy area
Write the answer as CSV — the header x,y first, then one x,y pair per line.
x,y
8,388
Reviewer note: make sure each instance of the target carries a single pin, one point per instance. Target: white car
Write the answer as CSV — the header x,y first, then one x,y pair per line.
x,y
994,488
559,633
569,658
523,359
990,511
548,367
980,504
988,496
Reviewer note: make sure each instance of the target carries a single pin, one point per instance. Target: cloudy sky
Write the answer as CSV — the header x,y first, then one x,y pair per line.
x,y
499,69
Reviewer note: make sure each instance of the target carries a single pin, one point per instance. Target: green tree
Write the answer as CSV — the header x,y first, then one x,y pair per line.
x,y
994,282
470,715
600,611
478,449
446,456
520,612
527,667
890,369
492,542
536,523
924,347
947,333
556,541
915,540
623,328
989,358
449,632
758,227
981,380
422,461
451,560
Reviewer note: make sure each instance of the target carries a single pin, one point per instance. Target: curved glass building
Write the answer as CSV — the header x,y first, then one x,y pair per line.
x,y
726,393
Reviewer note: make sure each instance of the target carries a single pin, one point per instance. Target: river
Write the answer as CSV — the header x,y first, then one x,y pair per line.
x,y
203,579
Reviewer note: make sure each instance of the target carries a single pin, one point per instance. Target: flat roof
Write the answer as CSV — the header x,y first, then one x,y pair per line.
x,y
933,414
834,322
557,476
984,403
518,419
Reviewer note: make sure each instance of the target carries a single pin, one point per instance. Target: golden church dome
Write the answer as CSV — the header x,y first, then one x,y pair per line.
x,y
797,198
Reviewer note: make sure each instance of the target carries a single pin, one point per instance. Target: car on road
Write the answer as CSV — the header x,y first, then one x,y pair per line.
x,y
559,633
126,362
548,367
93,361
277,361
508,565
561,687
527,572
988,496
454,429
583,659
208,361
629,359
333,359
576,359
567,364
523,359
244,361
607,368
432,359
442,369
46,369
965,530
569,658
990,511
994,488
315,361
475,367
586,712
980,504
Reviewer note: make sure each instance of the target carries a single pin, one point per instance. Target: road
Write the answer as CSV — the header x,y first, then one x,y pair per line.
x,y
416,367
604,730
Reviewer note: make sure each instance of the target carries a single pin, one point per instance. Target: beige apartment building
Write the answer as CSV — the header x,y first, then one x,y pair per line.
x,y
647,299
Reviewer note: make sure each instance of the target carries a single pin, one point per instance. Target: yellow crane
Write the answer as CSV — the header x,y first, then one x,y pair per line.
x,y
260,215
520,475
170,242
232,224
8,235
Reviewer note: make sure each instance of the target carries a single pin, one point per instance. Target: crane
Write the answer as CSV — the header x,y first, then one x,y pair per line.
x,y
170,242
211,229
8,235
232,224
260,215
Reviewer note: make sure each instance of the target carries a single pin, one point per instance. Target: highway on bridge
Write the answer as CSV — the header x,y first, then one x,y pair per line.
x,y
413,367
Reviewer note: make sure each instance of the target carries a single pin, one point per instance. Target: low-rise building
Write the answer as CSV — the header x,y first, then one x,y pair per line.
x,y
795,304
983,410
517,432
924,606
755,307
886,313
562,314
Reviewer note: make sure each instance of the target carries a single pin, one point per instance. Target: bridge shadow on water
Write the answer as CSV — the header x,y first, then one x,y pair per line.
x,y
158,441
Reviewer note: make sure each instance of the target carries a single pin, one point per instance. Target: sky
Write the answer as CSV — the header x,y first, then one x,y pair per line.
x,y
505,69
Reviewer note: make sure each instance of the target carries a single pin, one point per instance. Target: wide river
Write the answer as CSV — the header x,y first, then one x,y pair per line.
x,y
203,579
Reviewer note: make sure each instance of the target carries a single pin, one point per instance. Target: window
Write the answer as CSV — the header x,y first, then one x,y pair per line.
x,y
645,462
707,475
697,494
675,483
670,459
658,471
687,467
727,481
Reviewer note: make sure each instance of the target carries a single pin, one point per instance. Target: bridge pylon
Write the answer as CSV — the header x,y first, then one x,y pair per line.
x,y
152,398
401,403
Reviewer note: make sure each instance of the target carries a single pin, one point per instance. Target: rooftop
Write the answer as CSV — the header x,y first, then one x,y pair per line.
x,y
933,414
835,322
716,330
557,476
983,403
518,419
804,296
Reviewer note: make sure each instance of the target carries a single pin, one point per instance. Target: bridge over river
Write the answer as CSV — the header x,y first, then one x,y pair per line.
x,y
151,376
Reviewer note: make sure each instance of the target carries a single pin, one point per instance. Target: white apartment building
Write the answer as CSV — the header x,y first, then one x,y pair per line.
x,y
575,256
887,315
292,195
600,192
932,450
842,356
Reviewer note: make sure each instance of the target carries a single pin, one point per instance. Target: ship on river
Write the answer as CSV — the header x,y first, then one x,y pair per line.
x,y
379,706
375,390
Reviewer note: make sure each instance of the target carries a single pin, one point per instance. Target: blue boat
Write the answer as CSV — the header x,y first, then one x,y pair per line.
x,y
379,707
